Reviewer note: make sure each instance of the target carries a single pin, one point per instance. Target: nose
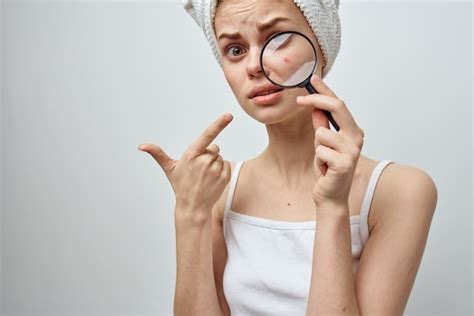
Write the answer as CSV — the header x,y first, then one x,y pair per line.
x,y
253,64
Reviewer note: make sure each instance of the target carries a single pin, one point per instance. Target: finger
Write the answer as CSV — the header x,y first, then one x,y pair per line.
x,y
332,139
321,86
319,118
317,160
325,158
213,148
226,170
219,160
338,109
166,162
320,164
216,164
209,157
207,137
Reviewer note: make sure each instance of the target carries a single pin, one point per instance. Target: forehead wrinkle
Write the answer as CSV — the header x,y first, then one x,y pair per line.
x,y
235,7
262,8
261,26
236,13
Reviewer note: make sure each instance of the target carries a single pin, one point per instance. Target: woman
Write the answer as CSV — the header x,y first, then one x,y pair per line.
x,y
261,231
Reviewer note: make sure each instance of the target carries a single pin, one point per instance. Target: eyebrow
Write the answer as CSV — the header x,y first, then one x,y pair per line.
x,y
260,26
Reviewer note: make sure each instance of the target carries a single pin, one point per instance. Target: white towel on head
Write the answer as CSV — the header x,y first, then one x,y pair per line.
x,y
322,16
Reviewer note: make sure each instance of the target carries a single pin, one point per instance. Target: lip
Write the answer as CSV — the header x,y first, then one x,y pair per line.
x,y
268,99
262,88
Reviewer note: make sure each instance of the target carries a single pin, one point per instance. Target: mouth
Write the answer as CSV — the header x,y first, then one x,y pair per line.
x,y
269,91
268,97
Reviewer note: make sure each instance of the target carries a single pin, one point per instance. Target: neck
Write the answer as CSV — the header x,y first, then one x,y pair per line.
x,y
290,152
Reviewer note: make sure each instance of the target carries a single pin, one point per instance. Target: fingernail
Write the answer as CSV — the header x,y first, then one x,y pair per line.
x,y
299,98
228,117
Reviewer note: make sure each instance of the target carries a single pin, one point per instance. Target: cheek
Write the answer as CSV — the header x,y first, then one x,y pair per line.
x,y
235,80
237,88
231,78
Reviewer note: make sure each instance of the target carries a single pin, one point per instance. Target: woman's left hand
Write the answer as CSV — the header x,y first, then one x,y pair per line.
x,y
336,153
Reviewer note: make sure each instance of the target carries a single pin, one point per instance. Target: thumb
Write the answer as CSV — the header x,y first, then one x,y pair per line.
x,y
166,162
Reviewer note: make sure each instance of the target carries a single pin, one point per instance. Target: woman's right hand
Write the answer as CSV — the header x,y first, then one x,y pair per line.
x,y
200,176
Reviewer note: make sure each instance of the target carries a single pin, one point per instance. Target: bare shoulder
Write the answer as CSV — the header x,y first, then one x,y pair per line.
x,y
405,198
220,204
401,189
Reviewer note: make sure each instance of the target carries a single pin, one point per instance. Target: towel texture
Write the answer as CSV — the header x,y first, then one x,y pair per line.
x,y
322,16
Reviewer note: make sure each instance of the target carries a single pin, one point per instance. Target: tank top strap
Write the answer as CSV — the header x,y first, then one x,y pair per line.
x,y
231,190
369,193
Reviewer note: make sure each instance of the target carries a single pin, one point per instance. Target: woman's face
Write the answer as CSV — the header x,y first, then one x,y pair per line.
x,y
241,52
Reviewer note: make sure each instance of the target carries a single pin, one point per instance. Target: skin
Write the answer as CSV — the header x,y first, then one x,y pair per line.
x,y
290,163
307,163
301,62
290,159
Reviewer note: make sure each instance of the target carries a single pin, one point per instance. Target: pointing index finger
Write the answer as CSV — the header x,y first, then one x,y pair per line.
x,y
210,133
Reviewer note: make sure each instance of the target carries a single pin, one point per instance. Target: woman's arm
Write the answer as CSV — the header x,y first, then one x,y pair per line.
x,y
388,266
197,179
195,292
391,257
332,290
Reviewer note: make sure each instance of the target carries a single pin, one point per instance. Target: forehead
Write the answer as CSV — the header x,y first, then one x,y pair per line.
x,y
231,14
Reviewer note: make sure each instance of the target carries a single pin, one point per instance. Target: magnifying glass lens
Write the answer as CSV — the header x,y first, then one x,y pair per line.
x,y
288,59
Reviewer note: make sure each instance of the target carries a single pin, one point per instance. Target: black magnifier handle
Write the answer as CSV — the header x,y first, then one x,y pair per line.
x,y
328,114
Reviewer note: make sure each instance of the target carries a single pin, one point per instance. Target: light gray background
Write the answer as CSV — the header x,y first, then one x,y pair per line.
x,y
87,219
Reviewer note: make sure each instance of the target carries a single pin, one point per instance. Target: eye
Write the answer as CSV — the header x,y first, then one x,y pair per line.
x,y
234,50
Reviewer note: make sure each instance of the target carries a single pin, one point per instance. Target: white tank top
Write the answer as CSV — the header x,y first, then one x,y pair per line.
x,y
269,262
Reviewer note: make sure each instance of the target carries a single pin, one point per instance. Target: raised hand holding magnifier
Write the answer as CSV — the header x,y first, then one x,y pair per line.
x,y
288,59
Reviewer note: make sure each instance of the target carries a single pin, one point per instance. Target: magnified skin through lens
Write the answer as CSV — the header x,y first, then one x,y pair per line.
x,y
289,59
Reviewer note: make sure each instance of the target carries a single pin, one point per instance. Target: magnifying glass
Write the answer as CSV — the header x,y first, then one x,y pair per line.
x,y
288,59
